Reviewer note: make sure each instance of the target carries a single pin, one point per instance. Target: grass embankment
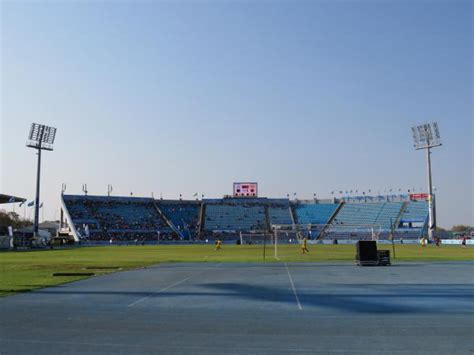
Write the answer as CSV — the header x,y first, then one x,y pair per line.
x,y
28,270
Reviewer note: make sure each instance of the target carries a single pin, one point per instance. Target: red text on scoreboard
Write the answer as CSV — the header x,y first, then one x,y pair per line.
x,y
245,189
419,197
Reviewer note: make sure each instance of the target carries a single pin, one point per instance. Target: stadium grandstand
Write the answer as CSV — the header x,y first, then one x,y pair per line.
x,y
100,219
181,216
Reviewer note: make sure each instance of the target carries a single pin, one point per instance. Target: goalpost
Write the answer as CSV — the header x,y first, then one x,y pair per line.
x,y
261,238
294,233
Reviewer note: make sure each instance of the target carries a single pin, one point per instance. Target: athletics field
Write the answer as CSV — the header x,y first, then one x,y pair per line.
x,y
24,271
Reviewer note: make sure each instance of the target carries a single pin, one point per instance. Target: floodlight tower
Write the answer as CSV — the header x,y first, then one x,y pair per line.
x,y
41,138
426,136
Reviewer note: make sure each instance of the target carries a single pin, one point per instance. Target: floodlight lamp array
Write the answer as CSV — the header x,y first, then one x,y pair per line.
x,y
41,136
426,135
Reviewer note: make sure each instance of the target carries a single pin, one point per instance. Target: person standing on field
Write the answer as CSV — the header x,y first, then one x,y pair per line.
x,y
304,246
423,242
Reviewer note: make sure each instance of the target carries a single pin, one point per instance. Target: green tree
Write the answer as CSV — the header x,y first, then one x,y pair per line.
x,y
460,228
12,219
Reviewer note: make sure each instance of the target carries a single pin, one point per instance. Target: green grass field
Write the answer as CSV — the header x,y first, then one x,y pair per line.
x,y
24,271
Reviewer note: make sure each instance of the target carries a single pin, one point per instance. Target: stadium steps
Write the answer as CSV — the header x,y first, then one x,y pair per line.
x,y
336,211
331,219
268,226
201,222
379,213
293,215
400,214
415,211
388,215
168,221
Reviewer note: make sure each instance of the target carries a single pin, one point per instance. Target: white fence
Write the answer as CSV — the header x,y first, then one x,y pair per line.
x,y
456,241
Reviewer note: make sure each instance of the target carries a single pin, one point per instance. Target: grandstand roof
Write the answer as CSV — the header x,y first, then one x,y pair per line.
x,y
108,198
10,199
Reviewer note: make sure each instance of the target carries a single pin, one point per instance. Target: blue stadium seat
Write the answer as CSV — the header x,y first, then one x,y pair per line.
x,y
234,217
314,213
184,215
414,219
119,216
280,215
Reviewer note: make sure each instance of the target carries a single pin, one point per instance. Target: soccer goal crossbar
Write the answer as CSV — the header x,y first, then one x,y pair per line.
x,y
256,238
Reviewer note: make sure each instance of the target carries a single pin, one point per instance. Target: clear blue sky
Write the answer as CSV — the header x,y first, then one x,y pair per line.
x,y
184,97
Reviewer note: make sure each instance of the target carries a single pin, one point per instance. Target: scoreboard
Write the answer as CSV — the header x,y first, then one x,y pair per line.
x,y
419,197
245,189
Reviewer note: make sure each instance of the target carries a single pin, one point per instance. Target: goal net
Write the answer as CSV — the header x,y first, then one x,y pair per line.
x,y
255,238
288,237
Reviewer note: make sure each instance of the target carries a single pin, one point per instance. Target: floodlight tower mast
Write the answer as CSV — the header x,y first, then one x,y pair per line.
x,y
41,138
426,136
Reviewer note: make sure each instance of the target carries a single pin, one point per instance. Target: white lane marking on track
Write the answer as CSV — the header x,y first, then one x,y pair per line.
x,y
293,287
159,291
168,287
